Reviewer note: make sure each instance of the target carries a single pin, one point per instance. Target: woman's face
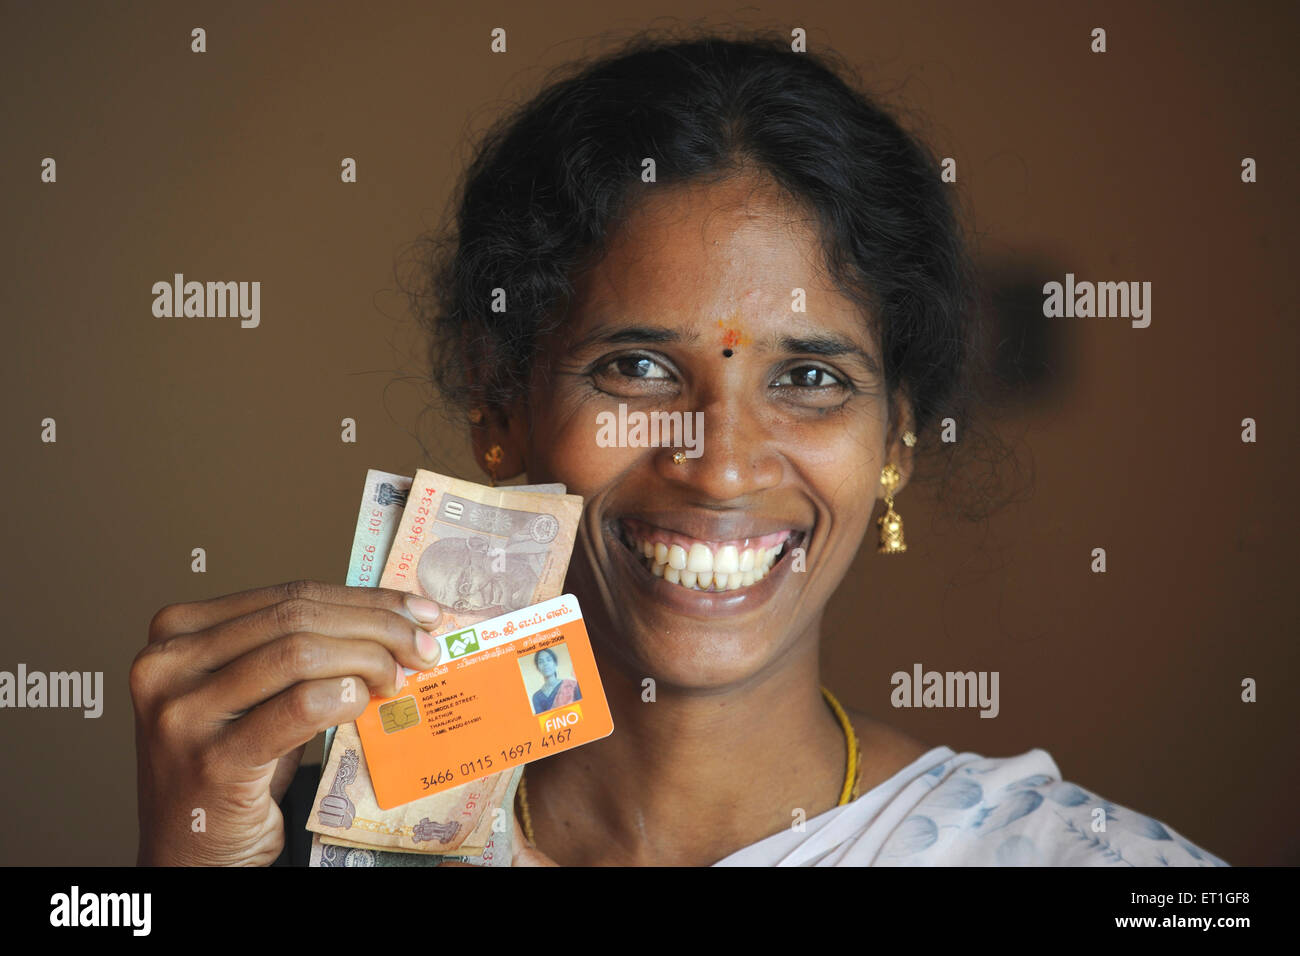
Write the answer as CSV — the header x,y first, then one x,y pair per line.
x,y
546,665
794,431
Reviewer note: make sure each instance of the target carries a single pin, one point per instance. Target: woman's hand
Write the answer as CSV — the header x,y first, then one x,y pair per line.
x,y
229,691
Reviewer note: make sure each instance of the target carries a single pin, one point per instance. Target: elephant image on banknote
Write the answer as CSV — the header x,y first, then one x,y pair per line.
x,y
478,573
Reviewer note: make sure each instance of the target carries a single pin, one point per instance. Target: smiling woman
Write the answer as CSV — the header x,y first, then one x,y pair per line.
x,y
785,201
723,231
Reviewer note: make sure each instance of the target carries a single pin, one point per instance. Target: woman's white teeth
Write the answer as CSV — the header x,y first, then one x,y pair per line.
x,y
700,559
704,569
726,561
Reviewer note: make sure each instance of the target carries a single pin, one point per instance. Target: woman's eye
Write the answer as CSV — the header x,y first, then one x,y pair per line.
x,y
630,375
808,376
638,366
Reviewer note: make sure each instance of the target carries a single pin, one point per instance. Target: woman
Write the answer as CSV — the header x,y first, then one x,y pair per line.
x,y
554,692
711,227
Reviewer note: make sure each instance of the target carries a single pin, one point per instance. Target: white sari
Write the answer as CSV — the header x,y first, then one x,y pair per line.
x,y
950,809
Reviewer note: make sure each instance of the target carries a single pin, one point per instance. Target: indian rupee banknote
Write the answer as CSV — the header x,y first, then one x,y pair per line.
x,y
478,552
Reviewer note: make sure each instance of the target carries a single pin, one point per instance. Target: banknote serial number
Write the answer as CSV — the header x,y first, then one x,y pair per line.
x,y
367,564
420,516
403,560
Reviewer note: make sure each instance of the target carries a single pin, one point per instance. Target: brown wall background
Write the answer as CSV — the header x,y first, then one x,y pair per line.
x,y
183,433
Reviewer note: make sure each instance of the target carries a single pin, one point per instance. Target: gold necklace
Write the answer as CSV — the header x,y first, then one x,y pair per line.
x,y
848,793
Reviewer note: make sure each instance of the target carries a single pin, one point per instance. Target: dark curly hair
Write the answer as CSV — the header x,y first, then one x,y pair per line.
x,y
551,179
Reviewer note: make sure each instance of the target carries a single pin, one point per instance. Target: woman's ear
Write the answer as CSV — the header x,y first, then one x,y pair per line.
x,y
897,449
497,432
498,436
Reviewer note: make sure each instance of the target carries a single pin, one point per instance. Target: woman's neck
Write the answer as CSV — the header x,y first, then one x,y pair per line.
x,y
688,778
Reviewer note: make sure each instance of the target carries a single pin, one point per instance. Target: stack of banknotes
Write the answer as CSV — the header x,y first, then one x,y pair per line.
x,y
479,552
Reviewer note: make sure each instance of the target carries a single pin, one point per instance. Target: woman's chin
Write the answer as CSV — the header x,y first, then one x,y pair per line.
x,y
694,661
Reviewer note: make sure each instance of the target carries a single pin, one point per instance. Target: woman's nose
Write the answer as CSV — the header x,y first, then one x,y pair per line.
x,y
737,456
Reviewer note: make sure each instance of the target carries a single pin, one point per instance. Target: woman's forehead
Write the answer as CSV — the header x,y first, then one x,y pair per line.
x,y
709,267
727,230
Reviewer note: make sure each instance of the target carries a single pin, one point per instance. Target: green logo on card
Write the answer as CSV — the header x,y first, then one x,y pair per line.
x,y
462,643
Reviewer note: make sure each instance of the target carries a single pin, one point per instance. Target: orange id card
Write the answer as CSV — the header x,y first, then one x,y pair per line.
x,y
508,691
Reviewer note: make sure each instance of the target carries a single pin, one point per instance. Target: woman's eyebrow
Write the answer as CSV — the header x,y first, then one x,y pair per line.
x,y
828,345
653,334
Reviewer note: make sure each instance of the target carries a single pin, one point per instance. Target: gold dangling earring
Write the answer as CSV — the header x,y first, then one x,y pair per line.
x,y
891,523
493,458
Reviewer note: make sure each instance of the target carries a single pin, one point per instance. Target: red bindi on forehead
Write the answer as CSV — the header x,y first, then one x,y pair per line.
x,y
732,336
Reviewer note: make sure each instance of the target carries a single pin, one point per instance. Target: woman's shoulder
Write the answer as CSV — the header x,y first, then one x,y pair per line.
x,y
1019,811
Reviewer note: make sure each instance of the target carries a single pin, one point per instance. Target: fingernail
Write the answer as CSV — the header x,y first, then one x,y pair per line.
x,y
423,609
427,646
401,676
